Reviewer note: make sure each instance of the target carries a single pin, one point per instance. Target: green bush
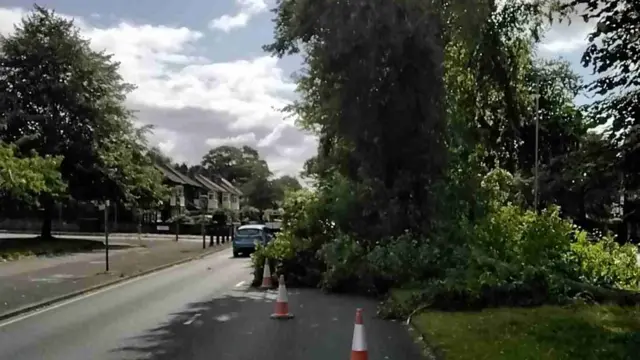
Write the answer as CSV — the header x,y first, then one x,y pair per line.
x,y
605,263
503,255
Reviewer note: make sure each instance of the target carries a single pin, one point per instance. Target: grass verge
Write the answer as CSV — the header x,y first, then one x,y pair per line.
x,y
18,248
584,332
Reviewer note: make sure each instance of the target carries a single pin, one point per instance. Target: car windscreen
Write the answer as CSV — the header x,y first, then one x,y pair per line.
x,y
248,233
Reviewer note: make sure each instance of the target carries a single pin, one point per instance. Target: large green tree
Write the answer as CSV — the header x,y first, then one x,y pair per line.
x,y
372,90
68,100
238,165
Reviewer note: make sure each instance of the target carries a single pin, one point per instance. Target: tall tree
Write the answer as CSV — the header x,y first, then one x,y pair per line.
x,y
68,101
284,184
373,82
238,165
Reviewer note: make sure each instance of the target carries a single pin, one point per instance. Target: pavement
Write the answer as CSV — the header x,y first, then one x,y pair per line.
x,y
201,310
96,236
37,279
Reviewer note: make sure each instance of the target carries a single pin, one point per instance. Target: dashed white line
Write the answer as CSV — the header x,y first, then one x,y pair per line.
x,y
192,319
240,283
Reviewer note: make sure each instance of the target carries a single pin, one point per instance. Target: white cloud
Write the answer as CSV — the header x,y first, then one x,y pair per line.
x,y
243,139
565,38
569,36
248,9
193,102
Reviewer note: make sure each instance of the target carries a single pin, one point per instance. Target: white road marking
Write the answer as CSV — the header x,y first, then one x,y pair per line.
x,y
193,318
240,283
63,276
49,280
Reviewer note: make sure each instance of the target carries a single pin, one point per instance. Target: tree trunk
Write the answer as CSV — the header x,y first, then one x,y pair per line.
x,y
47,217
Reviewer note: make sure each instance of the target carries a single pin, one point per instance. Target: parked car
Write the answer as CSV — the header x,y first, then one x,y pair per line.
x,y
245,238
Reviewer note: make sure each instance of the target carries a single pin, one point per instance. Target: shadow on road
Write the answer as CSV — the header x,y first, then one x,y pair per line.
x,y
222,328
237,327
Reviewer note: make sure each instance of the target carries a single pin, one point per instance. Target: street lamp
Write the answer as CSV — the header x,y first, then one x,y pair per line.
x,y
536,97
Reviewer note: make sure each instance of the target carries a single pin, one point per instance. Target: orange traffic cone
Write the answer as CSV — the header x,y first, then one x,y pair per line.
x,y
359,343
266,277
282,303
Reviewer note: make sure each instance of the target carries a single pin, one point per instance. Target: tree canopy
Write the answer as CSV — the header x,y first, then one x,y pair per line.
x,y
61,99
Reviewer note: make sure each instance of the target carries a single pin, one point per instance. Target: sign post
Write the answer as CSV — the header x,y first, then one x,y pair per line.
x,y
140,214
106,235
203,209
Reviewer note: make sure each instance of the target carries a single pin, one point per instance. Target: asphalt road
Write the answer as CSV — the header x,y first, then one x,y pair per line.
x,y
200,310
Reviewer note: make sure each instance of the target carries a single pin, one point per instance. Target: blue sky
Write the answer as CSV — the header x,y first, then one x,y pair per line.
x,y
202,77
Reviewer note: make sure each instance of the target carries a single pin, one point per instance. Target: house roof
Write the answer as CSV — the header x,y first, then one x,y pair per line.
x,y
209,184
228,185
169,175
176,176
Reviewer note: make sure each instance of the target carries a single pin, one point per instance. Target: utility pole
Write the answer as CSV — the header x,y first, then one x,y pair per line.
x,y
535,177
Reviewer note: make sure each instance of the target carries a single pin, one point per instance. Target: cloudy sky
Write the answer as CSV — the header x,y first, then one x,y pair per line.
x,y
202,78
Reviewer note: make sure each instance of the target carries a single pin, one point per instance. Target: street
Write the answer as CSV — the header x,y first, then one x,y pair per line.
x,y
200,310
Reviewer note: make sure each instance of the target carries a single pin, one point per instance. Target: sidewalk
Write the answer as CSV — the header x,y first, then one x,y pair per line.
x,y
20,233
34,280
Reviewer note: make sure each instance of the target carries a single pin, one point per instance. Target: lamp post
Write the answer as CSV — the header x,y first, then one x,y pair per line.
x,y
535,176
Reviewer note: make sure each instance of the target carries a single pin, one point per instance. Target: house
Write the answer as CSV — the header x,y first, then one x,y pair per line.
x,y
232,199
192,188
219,190
215,191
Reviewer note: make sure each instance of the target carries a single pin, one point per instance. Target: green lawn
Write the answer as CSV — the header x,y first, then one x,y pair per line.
x,y
579,332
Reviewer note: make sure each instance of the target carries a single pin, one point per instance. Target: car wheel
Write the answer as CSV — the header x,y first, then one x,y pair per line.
x,y
236,254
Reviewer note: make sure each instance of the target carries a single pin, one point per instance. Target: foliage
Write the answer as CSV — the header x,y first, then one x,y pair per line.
x,y
127,164
613,54
304,230
250,213
606,263
238,165
61,99
351,89
30,176
460,227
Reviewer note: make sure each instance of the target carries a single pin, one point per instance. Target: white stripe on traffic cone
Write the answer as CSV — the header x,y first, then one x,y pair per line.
x,y
266,276
359,343
282,303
